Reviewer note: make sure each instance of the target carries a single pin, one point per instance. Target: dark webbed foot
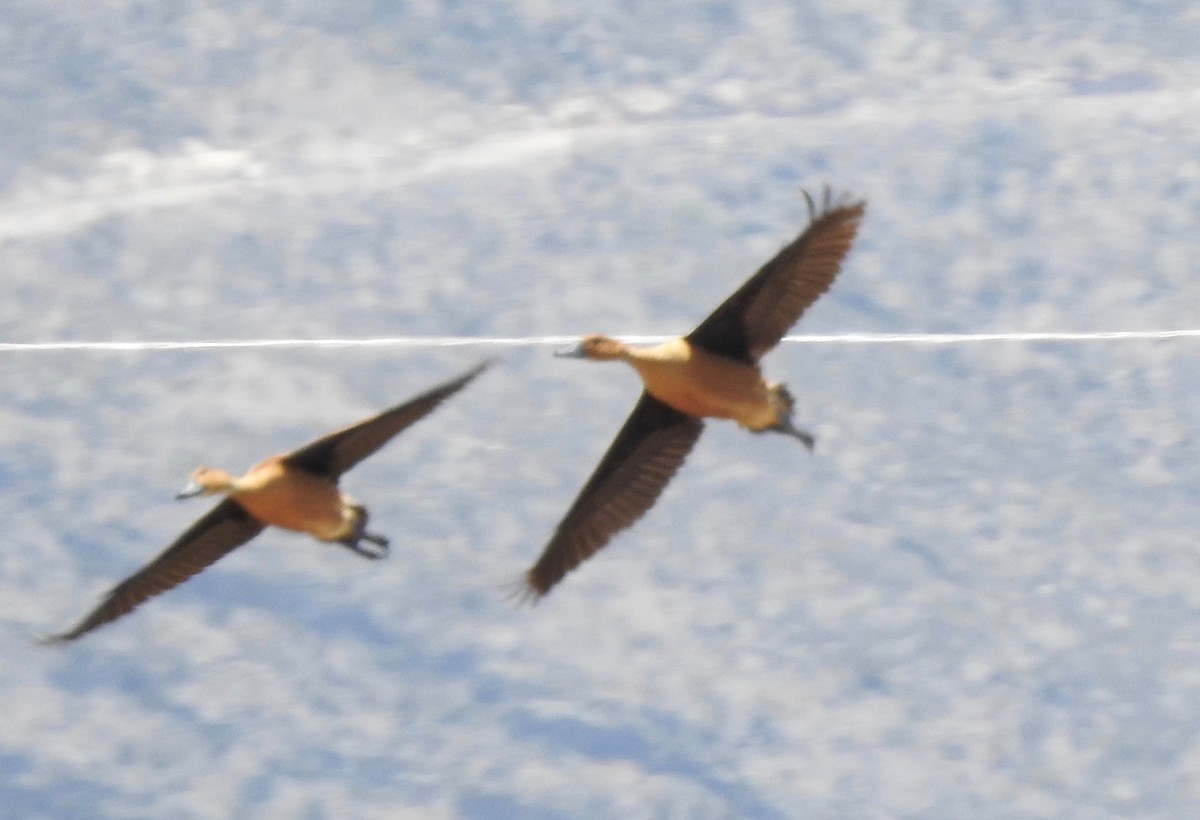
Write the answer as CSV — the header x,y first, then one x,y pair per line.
x,y
373,554
805,438
788,429
374,539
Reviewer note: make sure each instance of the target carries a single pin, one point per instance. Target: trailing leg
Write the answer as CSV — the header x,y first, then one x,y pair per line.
x,y
374,555
359,533
784,404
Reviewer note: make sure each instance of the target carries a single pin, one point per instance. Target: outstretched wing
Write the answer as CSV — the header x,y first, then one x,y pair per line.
x,y
225,528
337,452
644,456
760,312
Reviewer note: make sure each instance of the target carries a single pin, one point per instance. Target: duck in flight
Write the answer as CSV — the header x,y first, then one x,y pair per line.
x,y
713,372
295,491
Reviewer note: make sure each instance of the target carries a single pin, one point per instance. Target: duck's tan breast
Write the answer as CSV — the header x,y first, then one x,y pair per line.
x,y
703,384
287,497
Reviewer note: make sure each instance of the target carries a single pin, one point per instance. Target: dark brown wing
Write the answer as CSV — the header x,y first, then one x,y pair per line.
x,y
225,528
644,456
337,452
760,312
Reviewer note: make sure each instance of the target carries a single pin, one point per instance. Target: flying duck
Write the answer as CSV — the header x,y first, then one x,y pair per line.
x,y
713,372
296,491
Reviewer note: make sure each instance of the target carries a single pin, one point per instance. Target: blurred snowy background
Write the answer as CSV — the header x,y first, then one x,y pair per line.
x,y
980,597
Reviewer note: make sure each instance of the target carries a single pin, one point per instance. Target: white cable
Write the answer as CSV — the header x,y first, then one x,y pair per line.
x,y
958,338
524,341
398,341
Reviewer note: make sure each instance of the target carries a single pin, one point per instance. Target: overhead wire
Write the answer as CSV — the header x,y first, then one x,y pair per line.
x,y
526,341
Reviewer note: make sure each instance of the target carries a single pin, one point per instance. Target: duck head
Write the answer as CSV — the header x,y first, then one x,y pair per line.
x,y
206,481
596,347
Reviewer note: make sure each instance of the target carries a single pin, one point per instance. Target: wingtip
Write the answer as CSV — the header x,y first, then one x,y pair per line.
x,y
483,365
521,593
476,371
830,202
812,206
43,639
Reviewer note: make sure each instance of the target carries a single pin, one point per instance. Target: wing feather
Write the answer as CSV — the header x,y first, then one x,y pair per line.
x,y
753,320
223,529
334,454
646,453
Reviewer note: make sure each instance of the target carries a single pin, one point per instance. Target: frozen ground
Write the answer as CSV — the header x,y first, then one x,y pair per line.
x,y
979,598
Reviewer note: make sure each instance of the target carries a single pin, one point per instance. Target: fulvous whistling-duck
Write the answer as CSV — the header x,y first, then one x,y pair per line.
x,y
711,372
295,491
